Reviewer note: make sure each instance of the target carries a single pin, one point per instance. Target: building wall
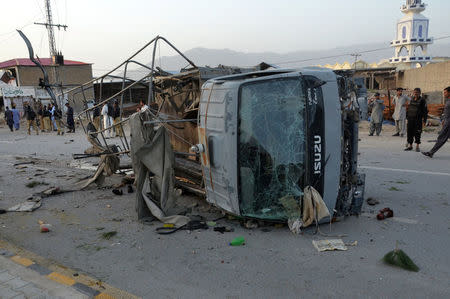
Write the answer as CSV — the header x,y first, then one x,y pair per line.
x,y
70,76
431,79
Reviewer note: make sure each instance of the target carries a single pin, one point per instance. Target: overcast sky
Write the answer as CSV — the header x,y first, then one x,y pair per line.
x,y
105,32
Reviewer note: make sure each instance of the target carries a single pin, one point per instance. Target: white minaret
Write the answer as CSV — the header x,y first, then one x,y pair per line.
x,y
412,38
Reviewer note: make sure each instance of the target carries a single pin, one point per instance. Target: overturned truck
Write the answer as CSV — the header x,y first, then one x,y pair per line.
x,y
262,138
266,136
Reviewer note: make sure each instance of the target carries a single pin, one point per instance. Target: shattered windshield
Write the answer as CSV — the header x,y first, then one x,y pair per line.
x,y
271,146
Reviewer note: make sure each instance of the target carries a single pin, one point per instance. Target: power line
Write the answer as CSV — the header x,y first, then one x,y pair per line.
x,y
346,54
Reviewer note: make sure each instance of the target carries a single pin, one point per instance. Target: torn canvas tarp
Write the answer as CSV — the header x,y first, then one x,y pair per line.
x,y
314,208
153,161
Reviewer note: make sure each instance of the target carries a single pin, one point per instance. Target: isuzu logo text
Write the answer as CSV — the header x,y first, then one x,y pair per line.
x,y
317,154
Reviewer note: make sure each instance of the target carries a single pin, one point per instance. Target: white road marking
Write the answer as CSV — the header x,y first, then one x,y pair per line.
x,y
405,170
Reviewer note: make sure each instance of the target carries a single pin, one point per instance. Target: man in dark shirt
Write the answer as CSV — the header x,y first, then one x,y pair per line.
x,y
445,132
116,117
59,124
9,118
70,121
46,118
416,115
41,116
31,116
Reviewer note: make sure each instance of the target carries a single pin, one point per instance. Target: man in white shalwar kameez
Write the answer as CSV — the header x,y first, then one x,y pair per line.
x,y
400,101
106,121
376,118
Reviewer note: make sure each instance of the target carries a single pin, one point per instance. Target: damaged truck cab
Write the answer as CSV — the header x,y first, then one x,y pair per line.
x,y
269,134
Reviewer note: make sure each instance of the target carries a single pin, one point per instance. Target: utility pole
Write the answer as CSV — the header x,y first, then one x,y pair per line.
x,y
356,55
56,56
49,25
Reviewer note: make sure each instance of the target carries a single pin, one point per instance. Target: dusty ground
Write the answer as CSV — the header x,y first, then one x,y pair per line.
x,y
273,263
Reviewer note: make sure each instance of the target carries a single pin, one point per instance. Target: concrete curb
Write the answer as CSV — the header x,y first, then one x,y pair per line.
x,y
91,287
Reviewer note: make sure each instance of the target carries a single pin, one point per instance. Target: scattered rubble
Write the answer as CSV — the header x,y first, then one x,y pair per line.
x,y
372,201
27,206
109,235
35,183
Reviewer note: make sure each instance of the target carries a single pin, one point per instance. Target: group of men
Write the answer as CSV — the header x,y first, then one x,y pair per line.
x,y
410,115
110,114
48,118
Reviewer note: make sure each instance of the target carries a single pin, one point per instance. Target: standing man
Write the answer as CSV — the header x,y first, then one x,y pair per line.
x,y
46,117
9,118
142,106
445,132
59,123
16,117
376,118
111,115
116,116
31,119
41,117
400,102
416,115
70,121
106,123
52,109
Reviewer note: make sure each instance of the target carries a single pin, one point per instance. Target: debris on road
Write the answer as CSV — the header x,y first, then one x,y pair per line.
x,y
211,223
385,213
130,189
117,191
33,184
109,235
239,241
27,206
354,243
250,224
44,227
399,258
223,229
372,201
20,165
329,245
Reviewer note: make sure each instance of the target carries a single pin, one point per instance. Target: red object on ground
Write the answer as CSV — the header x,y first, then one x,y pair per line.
x,y
385,213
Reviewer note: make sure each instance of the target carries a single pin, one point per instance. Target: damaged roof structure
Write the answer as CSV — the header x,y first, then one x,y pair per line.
x,y
264,143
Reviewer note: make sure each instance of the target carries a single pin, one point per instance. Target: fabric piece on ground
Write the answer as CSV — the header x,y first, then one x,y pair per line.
x,y
27,206
329,245
158,158
152,154
314,208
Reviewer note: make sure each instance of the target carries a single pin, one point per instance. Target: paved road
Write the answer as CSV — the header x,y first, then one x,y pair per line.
x,y
271,264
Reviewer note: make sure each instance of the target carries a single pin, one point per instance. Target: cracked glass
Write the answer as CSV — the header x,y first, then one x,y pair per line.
x,y
272,139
